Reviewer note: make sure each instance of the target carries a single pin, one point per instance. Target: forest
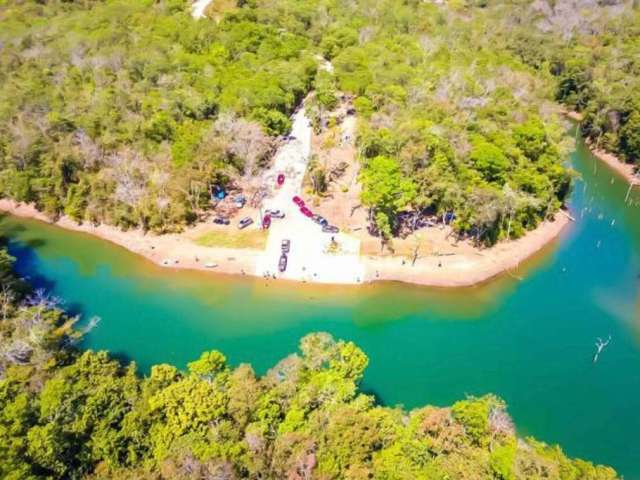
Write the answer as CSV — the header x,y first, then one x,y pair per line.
x,y
126,112
591,50
70,414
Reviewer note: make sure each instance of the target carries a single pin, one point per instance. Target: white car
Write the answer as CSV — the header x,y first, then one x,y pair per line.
x,y
275,213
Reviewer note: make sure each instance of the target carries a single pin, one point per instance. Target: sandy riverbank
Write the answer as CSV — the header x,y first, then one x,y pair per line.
x,y
469,267
626,170
170,250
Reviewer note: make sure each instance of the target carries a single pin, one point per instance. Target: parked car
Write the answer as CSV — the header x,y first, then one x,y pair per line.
x,y
306,212
282,263
244,223
298,201
239,201
330,229
266,221
221,221
285,246
275,213
320,220
280,179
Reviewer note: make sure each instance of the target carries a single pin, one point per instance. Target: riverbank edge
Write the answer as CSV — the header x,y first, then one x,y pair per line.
x,y
626,170
176,251
490,263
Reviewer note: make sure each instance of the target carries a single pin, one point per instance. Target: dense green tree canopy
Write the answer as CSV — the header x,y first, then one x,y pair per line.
x,y
592,53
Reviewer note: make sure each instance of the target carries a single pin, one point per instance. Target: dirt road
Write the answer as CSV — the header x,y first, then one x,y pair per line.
x,y
311,257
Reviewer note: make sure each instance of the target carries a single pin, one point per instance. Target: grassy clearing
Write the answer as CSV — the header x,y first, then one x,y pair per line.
x,y
252,238
401,247
218,8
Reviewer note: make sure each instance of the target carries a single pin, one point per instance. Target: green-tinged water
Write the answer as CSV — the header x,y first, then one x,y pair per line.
x,y
529,341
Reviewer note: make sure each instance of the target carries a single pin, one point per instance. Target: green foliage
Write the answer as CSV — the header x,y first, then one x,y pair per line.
x,y
630,137
473,414
531,139
594,61
325,90
208,365
385,190
459,113
126,126
490,160
503,460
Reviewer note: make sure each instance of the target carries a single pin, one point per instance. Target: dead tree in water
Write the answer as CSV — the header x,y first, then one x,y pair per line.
x,y
599,347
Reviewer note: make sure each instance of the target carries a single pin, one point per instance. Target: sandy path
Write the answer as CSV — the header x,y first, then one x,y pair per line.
x,y
198,8
308,259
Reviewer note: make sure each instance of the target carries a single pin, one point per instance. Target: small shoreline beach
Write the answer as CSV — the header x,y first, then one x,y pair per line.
x,y
626,170
469,268
179,251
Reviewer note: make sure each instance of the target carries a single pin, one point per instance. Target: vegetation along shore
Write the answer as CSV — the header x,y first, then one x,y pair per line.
x,y
326,141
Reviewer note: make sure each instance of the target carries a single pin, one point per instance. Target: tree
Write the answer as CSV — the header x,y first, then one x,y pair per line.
x,y
385,189
208,365
490,160
531,138
630,138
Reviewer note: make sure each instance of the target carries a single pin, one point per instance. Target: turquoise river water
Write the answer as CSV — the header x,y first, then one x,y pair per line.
x,y
530,341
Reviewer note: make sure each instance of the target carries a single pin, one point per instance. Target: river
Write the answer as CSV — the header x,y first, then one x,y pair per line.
x,y
530,341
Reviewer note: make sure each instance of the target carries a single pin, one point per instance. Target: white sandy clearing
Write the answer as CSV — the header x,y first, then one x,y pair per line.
x,y
198,8
309,258
325,64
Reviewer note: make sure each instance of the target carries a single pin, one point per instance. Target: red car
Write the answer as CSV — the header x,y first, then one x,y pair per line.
x,y
266,221
280,179
298,201
306,212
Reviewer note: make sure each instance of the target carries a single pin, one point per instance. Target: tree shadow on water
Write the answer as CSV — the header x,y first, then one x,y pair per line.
x,y
76,310
34,243
26,265
125,360
368,390
10,230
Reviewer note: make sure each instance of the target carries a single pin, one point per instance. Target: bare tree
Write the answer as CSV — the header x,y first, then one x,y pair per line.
x,y
19,352
416,248
7,296
42,299
244,140
600,345
90,152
